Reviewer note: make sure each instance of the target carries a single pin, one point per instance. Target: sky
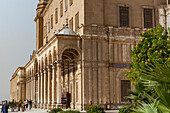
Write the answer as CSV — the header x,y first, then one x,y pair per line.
x,y
17,39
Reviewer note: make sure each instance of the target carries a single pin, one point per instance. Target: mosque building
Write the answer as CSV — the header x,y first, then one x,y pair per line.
x,y
83,51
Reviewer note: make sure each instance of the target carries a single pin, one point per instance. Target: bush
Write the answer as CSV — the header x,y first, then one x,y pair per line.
x,y
55,110
70,111
9,103
124,109
95,109
15,104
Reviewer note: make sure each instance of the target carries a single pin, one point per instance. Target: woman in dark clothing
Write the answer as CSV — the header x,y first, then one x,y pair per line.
x,y
12,105
5,108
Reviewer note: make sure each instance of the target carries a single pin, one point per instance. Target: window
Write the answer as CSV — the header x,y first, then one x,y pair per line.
x,y
148,18
48,26
71,23
51,21
65,5
44,32
61,8
76,91
56,15
71,2
124,16
125,86
77,22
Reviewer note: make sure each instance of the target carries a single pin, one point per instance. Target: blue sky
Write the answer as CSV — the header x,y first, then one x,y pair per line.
x,y
17,38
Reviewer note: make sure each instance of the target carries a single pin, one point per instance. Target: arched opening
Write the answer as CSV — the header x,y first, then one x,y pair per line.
x,y
70,78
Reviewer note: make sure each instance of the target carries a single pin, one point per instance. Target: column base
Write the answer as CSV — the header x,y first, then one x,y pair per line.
x,y
41,106
53,106
45,106
59,105
49,106
38,105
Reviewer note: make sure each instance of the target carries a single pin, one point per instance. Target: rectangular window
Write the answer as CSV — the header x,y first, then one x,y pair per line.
x,y
124,16
44,32
65,5
47,32
76,91
71,2
125,86
48,25
61,8
124,52
56,15
148,18
71,23
77,22
51,21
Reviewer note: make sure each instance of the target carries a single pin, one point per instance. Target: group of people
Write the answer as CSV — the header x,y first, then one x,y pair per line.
x,y
26,104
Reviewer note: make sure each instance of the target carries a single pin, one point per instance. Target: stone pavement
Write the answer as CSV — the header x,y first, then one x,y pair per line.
x,y
45,111
31,111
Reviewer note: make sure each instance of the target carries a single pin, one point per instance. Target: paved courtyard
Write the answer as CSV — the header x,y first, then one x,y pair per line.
x,y
31,111
45,111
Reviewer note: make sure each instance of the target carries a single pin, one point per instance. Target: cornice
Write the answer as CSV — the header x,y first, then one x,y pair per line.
x,y
16,72
46,8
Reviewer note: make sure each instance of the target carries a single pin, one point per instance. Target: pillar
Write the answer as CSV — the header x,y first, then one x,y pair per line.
x,y
45,86
49,85
64,88
34,87
42,87
74,81
39,88
58,83
68,81
54,85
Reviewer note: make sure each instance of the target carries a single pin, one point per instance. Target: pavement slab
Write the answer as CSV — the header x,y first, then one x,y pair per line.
x,y
45,111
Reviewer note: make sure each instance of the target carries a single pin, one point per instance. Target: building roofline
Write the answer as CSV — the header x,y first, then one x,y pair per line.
x,y
15,73
46,8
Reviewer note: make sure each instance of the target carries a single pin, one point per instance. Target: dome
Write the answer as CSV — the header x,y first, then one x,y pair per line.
x,y
67,31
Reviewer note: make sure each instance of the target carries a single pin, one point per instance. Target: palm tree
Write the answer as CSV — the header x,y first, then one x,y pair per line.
x,y
148,108
157,76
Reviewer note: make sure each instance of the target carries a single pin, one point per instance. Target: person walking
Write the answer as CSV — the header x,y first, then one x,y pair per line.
x,y
12,106
19,105
5,107
27,104
30,104
35,104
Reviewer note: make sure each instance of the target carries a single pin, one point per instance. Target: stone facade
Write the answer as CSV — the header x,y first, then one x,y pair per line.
x,y
89,63
18,89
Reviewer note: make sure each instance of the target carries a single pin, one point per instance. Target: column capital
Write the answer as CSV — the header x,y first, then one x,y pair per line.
x,y
54,66
44,71
59,65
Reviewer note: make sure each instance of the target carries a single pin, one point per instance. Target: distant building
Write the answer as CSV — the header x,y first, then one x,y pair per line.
x,y
88,56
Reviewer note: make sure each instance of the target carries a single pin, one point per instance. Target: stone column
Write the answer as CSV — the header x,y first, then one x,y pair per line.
x,y
49,85
68,81
58,83
34,93
42,87
45,86
64,88
54,85
74,81
39,88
